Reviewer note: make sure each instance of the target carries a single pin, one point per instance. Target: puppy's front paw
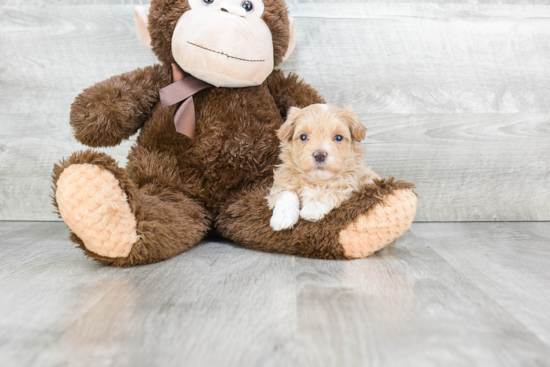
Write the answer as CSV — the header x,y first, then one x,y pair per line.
x,y
284,221
314,211
286,212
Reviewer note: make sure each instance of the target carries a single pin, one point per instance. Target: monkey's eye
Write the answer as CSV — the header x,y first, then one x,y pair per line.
x,y
248,6
339,138
303,137
208,2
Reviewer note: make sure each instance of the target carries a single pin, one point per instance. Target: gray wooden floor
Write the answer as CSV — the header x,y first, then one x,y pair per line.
x,y
445,294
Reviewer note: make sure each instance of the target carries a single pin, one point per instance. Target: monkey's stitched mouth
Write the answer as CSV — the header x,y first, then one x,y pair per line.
x,y
221,53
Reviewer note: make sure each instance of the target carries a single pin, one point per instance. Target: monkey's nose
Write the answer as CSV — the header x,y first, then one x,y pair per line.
x,y
320,156
233,9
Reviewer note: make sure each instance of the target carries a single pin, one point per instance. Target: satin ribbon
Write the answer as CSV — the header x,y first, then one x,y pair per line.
x,y
182,89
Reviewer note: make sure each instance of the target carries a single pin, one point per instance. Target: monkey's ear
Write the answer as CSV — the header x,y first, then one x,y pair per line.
x,y
141,15
287,129
357,129
291,40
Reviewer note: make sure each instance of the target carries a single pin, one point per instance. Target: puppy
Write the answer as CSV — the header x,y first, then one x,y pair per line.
x,y
322,166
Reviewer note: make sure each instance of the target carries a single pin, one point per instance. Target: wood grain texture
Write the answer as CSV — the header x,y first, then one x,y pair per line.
x,y
448,58
471,167
448,294
456,96
73,2
500,259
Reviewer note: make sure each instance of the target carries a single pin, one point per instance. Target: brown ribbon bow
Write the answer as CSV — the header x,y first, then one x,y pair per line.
x,y
182,89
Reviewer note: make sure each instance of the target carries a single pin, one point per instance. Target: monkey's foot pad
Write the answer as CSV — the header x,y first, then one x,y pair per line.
x,y
380,226
96,209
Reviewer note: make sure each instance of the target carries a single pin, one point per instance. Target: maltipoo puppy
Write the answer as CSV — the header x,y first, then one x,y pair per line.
x,y
322,166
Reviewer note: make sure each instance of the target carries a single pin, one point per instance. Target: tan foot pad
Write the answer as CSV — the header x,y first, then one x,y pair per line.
x,y
379,227
96,209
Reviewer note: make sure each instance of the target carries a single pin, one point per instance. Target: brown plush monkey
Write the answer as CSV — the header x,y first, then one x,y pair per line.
x,y
175,189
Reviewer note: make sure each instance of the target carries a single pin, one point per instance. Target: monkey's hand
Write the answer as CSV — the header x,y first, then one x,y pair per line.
x,y
110,111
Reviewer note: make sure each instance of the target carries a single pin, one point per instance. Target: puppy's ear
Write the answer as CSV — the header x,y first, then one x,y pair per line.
x,y
357,129
287,129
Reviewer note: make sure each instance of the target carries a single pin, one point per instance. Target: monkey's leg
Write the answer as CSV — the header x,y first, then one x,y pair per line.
x,y
370,220
118,224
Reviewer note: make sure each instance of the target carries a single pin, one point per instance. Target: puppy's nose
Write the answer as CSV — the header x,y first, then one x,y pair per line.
x,y
320,156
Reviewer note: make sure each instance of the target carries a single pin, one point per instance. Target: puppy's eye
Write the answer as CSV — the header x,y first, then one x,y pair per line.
x,y
339,138
303,137
207,2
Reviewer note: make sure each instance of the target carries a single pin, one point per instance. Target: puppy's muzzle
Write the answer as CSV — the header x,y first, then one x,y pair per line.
x,y
320,156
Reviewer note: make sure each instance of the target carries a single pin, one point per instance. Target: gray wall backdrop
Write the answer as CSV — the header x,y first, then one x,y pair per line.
x,y
456,95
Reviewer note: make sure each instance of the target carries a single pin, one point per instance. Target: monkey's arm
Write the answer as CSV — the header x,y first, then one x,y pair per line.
x,y
113,110
290,91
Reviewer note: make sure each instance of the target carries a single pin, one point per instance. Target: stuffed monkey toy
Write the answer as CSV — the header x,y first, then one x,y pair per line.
x,y
204,158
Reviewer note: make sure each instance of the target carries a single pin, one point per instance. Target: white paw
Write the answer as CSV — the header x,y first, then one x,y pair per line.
x,y
286,212
314,211
280,221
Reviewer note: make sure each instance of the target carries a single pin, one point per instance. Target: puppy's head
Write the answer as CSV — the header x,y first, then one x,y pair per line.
x,y
320,139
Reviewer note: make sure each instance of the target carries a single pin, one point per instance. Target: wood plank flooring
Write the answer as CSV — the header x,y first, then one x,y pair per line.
x,y
456,95
445,294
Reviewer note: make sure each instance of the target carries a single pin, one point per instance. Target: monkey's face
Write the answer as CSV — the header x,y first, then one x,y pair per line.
x,y
225,43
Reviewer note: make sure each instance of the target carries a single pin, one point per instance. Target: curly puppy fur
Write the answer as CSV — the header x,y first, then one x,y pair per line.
x,y
179,189
321,183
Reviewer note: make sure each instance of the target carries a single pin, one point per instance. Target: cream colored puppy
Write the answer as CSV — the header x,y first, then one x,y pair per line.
x,y
322,166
